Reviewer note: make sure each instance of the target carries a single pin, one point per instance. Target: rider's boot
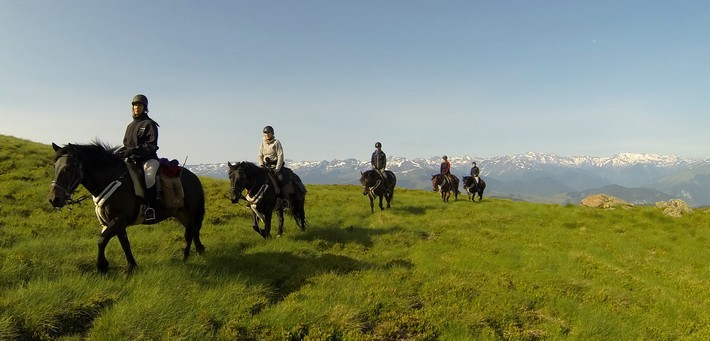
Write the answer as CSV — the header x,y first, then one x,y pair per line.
x,y
150,200
284,197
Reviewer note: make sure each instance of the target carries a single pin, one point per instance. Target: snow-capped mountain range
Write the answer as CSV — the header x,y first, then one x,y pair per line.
x,y
531,176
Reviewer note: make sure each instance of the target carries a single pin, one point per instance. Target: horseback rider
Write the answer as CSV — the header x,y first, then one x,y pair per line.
x,y
271,157
445,169
475,171
379,162
140,146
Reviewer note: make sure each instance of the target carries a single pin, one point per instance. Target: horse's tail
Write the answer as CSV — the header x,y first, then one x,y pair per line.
x,y
298,210
200,214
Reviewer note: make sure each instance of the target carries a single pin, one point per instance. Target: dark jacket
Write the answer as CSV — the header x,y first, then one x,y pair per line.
x,y
445,167
475,171
379,159
141,138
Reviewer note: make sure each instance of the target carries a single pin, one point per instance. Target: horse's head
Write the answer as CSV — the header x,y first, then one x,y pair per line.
x,y
237,180
365,181
435,182
68,174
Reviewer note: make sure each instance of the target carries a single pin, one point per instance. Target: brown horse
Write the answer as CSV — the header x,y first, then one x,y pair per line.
x,y
439,183
261,196
106,176
373,186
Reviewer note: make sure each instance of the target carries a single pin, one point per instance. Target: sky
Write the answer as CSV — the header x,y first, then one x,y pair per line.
x,y
425,78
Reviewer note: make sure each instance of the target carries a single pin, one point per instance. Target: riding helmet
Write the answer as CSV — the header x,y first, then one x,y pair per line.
x,y
140,98
268,129
378,145
445,158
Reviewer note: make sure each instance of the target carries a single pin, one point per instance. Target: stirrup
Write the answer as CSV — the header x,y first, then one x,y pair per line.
x,y
149,214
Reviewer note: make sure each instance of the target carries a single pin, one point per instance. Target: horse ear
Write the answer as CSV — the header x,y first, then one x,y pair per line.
x,y
56,148
229,164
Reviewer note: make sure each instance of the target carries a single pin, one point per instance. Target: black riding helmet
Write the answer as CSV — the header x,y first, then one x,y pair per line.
x,y
268,129
378,145
445,158
140,98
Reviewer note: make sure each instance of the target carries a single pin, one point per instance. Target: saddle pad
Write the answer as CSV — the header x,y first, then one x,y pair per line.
x,y
135,177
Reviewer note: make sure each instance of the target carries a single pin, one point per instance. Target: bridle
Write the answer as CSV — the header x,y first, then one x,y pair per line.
x,y
238,180
367,184
75,179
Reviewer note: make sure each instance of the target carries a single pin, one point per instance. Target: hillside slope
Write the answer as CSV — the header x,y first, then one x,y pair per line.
x,y
423,270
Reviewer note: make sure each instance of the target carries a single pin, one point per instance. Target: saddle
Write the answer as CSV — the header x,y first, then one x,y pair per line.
x,y
288,188
168,181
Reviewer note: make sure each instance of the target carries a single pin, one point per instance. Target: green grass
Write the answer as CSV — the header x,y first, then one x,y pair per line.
x,y
423,270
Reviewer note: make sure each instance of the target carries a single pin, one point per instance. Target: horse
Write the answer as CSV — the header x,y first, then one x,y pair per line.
x,y
262,198
444,187
107,177
372,186
472,187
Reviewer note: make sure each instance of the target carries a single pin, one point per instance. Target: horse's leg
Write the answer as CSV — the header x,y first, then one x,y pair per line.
x,y
255,223
126,246
267,224
188,242
372,203
389,197
196,238
113,228
382,208
280,214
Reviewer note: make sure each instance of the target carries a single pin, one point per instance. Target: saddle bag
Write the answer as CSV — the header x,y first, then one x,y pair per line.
x,y
173,195
170,184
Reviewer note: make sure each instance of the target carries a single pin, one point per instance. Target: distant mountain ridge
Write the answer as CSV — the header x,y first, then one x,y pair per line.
x,y
537,177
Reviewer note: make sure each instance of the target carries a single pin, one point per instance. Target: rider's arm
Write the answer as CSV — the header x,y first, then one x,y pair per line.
x,y
279,156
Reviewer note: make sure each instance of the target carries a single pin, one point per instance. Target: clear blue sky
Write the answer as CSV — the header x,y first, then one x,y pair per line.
x,y
426,78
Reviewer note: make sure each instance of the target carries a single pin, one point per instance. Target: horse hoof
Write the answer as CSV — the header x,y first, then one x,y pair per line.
x,y
131,268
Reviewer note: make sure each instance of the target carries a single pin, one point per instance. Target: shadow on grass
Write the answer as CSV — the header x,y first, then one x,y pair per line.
x,y
416,210
345,235
283,272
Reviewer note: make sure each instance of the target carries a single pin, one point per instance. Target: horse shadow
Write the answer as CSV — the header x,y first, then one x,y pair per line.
x,y
329,237
416,210
282,273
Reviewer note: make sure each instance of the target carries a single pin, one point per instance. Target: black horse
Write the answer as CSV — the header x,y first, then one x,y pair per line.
x,y
373,186
472,188
444,187
106,176
261,196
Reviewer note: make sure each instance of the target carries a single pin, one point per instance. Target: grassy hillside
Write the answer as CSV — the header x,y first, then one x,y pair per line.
x,y
424,270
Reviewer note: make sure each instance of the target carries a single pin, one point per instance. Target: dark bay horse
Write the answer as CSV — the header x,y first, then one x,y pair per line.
x,y
261,196
374,187
445,187
106,176
473,188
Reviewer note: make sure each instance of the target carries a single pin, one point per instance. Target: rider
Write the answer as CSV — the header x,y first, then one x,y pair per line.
x,y
475,171
445,169
140,146
271,156
379,162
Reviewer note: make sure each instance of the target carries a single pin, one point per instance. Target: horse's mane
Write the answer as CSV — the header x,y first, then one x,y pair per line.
x,y
247,165
96,154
